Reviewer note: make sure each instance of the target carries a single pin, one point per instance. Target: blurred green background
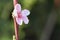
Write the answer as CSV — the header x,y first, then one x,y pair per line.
x,y
44,20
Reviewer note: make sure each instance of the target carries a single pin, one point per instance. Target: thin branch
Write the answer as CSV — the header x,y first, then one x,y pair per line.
x,y
15,24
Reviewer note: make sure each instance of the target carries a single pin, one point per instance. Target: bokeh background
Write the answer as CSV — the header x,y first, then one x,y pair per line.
x,y
44,20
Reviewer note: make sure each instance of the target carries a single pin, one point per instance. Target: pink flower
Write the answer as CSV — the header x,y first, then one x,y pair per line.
x,y
21,15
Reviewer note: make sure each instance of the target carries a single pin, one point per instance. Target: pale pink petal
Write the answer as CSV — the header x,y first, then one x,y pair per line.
x,y
25,12
18,7
19,21
14,12
25,19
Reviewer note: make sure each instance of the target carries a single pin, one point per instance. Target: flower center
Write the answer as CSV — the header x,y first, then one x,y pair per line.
x,y
19,15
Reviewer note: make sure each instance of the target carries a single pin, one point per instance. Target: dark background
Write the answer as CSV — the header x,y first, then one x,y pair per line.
x,y
44,20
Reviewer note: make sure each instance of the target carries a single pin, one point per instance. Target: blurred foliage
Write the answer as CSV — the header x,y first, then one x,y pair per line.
x,y
40,11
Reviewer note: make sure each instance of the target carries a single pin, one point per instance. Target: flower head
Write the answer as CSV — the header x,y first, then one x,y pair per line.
x,y
21,15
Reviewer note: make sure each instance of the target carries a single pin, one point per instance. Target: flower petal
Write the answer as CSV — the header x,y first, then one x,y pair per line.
x,y
18,7
25,19
19,21
14,13
25,12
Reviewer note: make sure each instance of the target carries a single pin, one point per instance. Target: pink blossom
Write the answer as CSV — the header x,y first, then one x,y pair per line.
x,y
21,15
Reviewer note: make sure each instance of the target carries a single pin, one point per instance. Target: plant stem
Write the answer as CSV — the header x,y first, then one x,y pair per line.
x,y
15,2
16,29
15,24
